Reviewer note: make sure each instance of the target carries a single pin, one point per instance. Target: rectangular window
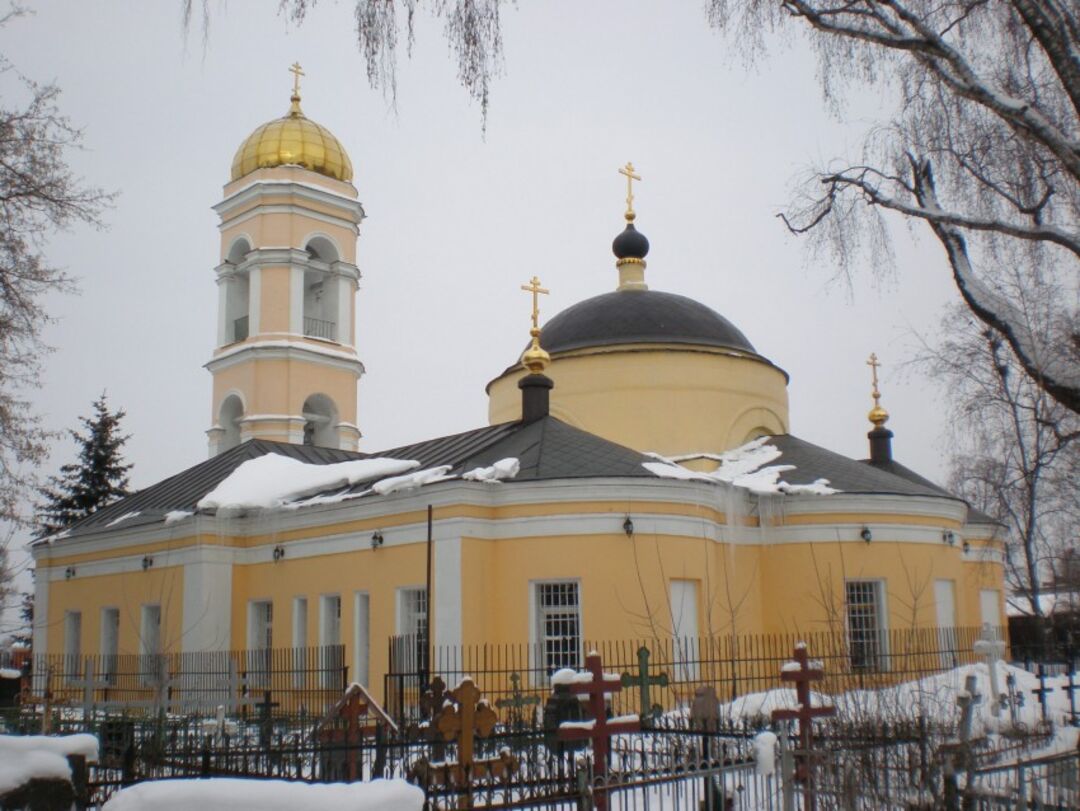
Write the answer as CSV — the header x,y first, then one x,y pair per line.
x,y
299,641
945,606
361,637
72,644
153,663
866,624
558,626
330,634
412,624
684,628
260,641
110,643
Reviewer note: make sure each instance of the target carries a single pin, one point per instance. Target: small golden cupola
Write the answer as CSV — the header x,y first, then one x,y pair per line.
x,y
293,140
880,437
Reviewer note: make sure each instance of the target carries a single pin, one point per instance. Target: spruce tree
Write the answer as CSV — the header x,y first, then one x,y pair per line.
x,y
99,478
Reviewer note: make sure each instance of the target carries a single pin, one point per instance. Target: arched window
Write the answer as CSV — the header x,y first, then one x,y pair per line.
x,y
232,410
237,295
321,291
320,421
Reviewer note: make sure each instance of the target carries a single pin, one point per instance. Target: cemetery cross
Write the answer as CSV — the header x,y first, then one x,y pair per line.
x,y
643,680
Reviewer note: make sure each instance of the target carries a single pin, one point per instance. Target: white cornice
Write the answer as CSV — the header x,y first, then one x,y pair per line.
x,y
285,350
260,189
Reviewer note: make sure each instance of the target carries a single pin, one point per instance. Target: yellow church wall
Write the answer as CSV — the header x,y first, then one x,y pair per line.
x,y
665,398
280,385
294,230
274,300
89,594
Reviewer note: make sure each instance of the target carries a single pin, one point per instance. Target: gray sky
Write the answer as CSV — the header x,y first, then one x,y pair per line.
x,y
457,222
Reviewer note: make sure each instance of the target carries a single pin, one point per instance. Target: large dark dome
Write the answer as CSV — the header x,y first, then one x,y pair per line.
x,y
639,317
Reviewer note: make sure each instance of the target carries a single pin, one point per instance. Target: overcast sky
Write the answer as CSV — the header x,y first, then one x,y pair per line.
x,y
456,220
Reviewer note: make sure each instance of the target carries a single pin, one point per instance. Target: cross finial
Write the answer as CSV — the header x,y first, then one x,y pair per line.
x,y
297,72
534,287
631,176
535,358
878,415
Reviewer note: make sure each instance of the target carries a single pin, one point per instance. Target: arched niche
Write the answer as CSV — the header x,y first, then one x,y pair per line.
x,y
320,421
237,294
229,416
322,249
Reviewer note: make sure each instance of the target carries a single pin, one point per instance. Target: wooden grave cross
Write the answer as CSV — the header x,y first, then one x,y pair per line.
x,y
993,650
1071,687
1042,690
802,674
599,729
462,721
354,708
643,681
89,684
431,702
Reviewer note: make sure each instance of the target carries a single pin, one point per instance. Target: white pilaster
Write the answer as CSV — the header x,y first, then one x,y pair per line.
x,y
254,301
447,565
296,300
346,291
207,617
223,298
41,611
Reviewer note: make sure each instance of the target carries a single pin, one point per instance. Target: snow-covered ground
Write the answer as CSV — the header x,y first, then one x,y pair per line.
x,y
26,757
234,794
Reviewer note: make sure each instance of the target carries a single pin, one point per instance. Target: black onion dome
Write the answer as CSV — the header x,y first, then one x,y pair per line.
x,y
640,317
630,244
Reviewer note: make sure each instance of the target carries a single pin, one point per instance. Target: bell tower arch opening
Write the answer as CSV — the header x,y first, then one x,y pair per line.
x,y
321,292
320,422
229,416
237,282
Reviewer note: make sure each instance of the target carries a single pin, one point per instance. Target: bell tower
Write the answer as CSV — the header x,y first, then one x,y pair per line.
x,y
285,365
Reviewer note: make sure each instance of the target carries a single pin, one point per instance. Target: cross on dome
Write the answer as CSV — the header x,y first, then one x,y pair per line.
x,y
297,72
878,415
631,176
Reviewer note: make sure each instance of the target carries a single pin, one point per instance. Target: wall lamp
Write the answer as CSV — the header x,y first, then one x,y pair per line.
x,y
628,527
866,534
279,552
376,539
949,537
69,572
147,562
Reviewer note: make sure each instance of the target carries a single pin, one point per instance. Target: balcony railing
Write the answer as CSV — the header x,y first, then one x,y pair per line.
x,y
317,328
240,328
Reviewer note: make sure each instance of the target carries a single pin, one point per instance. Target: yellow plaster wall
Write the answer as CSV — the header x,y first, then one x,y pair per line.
x,y
280,386
274,299
161,585
666,399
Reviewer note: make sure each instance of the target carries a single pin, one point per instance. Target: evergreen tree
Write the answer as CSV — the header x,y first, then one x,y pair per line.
x,y
99,478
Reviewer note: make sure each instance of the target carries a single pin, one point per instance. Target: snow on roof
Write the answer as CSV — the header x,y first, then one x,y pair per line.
x,y
746,466
410,481
272,480
123,517
266,795
173,516
503,469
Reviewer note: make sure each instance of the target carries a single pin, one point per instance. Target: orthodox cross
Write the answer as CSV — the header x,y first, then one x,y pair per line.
x,y
296,71
1042,689
631,176
993,650
352,711
534,287
89,685
1071,689
598,730
802,674
1014,698
517,700
874,364
431,702
463,722
643,680
266,723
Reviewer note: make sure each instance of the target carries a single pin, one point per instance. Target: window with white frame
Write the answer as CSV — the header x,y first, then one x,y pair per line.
x,y
72,643
865,601
329,634
110,643
153,663
412,626
260,640
558,625
299,640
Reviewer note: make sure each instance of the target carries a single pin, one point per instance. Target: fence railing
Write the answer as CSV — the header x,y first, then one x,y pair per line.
x,y
293,680
318,328
733,665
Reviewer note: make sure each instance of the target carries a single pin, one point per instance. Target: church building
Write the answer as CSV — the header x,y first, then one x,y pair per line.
x,y
637,478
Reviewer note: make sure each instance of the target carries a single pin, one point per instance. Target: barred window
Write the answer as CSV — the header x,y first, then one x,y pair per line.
x,y
558,615
413,624
866,627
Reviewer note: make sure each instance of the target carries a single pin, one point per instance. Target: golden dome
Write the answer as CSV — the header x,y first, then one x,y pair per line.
x,y
293,140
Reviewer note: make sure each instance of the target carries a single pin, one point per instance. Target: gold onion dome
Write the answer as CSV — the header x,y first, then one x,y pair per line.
x,y
293,140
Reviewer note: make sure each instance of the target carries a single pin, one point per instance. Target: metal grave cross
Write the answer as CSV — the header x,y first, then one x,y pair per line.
x,y
515,704
643,681
465,719
88,685
802,674
599,729
1042,690
431,702
266,720
1014,698
967,700
993,650
1071,687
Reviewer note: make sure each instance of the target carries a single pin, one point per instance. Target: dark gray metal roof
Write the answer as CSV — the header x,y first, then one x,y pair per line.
x,y
546,449
974,516
640,316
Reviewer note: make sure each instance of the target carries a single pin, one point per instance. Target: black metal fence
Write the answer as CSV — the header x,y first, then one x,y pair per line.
x,y
733,665
289,680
